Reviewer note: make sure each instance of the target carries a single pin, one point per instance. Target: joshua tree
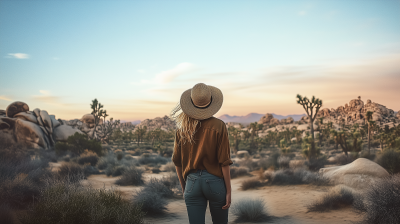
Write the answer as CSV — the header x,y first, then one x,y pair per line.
x,y
97,112
140,132
235,133
309,108
368,117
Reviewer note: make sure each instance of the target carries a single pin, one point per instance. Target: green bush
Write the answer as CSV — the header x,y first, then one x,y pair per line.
x,y
77,144
390,160
68,203
88,158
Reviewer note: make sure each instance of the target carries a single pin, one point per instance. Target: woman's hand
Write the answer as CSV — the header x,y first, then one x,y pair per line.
x,y
228,201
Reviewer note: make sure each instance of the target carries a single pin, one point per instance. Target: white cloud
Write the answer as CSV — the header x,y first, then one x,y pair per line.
x,y
169,75
44,92
5,98
19,55
302,13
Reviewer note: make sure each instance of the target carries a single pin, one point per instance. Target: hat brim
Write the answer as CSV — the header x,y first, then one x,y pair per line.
x,y
192,111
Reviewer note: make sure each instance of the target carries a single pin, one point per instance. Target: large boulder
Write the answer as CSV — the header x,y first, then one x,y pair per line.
x,y
62,132
88,119
16,107
26,133
358,174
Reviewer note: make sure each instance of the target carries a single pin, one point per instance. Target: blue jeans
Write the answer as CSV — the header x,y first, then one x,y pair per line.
x,y
200,187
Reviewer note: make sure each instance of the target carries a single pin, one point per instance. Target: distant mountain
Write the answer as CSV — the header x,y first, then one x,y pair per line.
x,y
254,117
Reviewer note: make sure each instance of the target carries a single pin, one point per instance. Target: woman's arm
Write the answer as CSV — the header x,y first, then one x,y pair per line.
x,y
227,179
181,180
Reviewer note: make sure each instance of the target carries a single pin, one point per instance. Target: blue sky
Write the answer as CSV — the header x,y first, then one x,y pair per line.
x,y
137,57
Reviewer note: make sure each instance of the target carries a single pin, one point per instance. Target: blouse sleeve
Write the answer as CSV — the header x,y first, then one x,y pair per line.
x,y
176,156
224,153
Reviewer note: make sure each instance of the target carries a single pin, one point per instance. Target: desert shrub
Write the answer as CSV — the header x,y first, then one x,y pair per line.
x,y
131,176
336,198
159,187
151,159
316,164
172,182
66,203
88,158
296,164
155,170
381,202
6,214
77,144
390,160
18,192
271,161
152,203
107,159
248,163
89,170
251,183
120,155
250,210
283,162
72,172
238,171
169,167
297,176
115,170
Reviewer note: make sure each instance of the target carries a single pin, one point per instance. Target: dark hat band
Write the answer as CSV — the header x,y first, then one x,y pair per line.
x,y
201,107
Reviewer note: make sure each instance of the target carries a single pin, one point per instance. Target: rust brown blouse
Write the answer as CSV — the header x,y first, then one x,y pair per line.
x,y
210,151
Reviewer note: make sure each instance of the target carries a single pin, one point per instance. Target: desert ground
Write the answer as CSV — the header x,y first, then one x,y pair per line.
x,y
286,203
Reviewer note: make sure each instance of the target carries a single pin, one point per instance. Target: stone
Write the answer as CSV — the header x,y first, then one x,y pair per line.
x,y
46,121
26,133
16,107
89,120
27,116
62,132
242,153
358,174
398,115
54,122
265,119
2,113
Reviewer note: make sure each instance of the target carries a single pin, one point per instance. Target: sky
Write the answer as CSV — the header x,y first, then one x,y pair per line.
x,y
138,57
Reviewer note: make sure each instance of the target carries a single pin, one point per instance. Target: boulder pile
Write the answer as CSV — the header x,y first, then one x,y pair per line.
x,y
165,123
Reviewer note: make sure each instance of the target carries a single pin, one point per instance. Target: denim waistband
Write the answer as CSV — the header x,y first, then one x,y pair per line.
x,y
200,171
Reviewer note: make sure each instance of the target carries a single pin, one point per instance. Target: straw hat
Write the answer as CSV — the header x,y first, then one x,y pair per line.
x,y
201,101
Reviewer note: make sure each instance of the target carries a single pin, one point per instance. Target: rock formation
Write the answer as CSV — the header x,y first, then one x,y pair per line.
x,y
268,120
164,123
31,129
355,112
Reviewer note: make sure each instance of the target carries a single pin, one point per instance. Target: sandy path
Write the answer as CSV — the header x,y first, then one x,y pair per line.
x,y
285,203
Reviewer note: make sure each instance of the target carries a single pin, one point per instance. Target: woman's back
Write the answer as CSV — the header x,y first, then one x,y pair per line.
x,y
210,150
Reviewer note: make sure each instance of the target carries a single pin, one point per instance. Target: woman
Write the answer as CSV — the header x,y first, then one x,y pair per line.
x,y
202,154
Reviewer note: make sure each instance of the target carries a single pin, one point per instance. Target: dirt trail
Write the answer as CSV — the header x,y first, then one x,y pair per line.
x,y
285,203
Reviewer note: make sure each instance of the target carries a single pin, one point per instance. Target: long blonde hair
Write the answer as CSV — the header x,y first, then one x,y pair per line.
x,y
186,126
